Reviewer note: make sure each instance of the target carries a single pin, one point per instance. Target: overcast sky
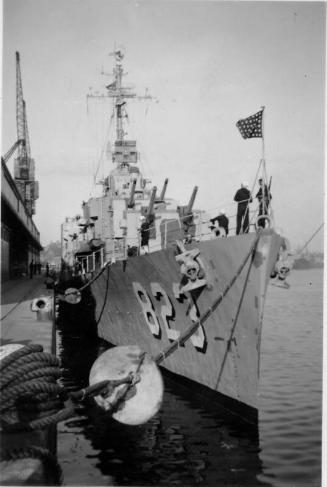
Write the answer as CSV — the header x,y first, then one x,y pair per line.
x,y
208,64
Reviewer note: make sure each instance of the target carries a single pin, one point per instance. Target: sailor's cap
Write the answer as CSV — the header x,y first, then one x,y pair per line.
x,y
245,184
222,212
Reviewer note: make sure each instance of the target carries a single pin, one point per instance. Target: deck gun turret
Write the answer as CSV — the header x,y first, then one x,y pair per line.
x,y
186,212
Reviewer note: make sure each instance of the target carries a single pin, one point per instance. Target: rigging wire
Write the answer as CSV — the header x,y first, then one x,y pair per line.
x,y
309,240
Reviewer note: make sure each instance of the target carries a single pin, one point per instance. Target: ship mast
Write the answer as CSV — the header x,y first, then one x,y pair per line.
x,y
119,93
124,150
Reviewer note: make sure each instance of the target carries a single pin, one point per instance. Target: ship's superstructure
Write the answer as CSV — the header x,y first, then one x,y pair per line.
x,y
112,222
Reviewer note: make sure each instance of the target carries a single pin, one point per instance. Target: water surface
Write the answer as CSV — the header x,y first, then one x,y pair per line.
x,y
189,443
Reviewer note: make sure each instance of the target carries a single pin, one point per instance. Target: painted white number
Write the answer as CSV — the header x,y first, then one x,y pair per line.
x,y
147,308
198,337
166,309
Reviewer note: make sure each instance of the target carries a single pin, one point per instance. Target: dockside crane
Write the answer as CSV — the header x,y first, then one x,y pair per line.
x,y
24,165
5,158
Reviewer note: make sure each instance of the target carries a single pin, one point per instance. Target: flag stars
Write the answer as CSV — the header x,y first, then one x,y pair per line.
x,y
251,126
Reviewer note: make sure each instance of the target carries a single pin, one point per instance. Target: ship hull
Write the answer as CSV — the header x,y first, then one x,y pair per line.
x,y
138,301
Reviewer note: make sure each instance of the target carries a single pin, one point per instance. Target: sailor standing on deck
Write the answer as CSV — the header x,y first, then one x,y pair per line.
x,y
223,222
145,235
243,199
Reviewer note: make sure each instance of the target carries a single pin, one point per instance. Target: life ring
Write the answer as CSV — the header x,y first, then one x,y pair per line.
x,y
263,217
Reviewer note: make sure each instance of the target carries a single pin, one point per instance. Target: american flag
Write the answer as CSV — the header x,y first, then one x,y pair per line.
x,y
251,127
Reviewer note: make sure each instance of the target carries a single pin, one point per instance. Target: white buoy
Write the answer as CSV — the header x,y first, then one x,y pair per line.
x,y
144,398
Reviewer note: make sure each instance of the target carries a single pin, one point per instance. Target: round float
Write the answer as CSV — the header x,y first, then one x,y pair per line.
x,y
143,398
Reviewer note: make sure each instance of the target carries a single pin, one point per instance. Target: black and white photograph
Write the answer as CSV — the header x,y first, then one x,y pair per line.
x,y
162,243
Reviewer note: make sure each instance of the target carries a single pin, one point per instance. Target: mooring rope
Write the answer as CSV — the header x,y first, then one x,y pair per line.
x,y
105,298
31,398
163,354
91,281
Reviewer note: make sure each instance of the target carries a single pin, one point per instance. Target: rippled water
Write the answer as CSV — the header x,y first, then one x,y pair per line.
x,y
188,443
291,382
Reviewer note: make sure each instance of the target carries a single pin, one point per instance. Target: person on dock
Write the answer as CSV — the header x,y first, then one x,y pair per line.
x,y
264,198
223,224
47,269
31,266
243,198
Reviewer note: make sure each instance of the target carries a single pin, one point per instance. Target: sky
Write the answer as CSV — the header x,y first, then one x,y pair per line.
x,y
207,64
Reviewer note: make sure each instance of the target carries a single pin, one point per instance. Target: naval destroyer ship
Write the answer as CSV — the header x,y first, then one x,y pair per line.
x,y
162,280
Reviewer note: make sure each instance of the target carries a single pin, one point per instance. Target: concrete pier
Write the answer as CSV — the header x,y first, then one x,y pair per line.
x,y
19,324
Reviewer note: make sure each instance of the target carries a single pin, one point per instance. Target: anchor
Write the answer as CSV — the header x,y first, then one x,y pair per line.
x,y
190,267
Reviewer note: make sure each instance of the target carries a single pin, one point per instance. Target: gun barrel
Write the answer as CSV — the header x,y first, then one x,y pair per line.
x,y
191,202
131,198
163,191
152,200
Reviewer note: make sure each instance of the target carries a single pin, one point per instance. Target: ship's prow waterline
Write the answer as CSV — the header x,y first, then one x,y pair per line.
x,y
139,301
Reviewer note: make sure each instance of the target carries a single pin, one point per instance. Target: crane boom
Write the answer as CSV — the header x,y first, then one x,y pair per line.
x,y
20,109
24,164
12,149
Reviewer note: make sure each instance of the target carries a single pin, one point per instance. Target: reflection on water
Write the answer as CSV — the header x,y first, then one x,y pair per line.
x,y
189,443
186,443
